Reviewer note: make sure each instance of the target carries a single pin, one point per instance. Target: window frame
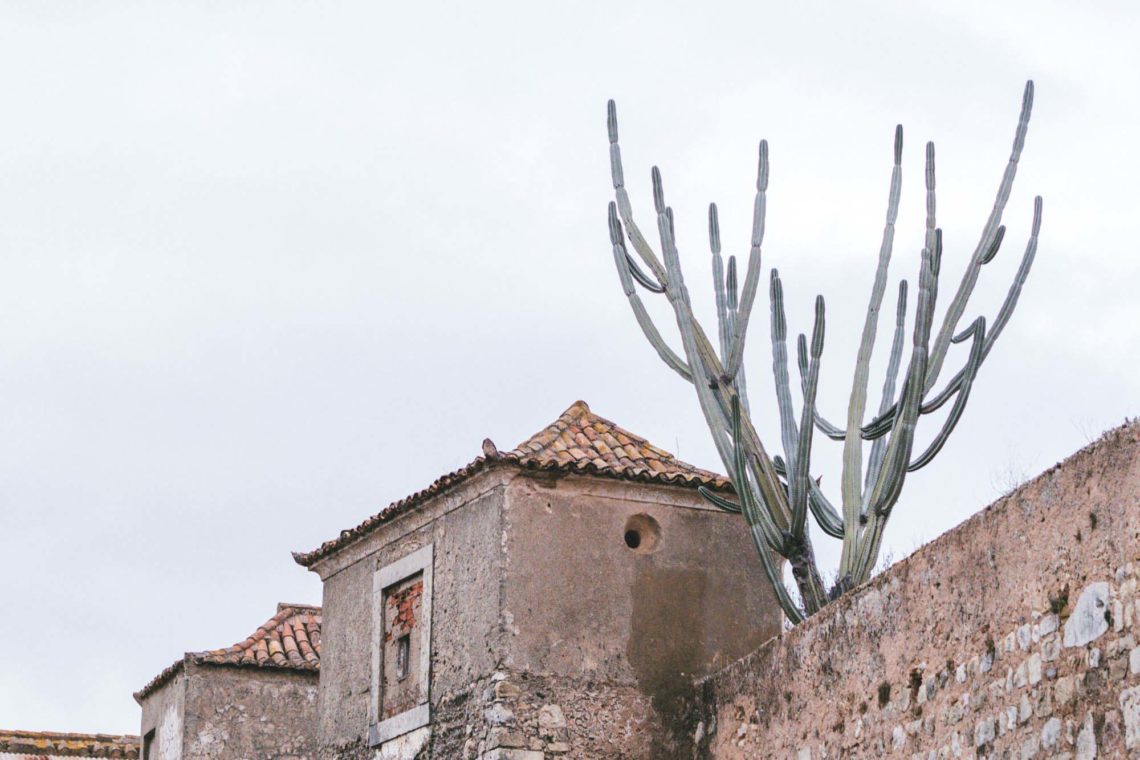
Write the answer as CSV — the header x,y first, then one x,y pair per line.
x,y
419,561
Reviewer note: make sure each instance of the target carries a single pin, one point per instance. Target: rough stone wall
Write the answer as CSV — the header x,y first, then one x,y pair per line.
x,y
520,716
249,713
1012,636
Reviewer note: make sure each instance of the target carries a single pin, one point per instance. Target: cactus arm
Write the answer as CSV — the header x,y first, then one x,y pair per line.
x,y
719,501
989,234
642,278
978,328
621,260
824,513
800,492
739,379
834,432
1010,303
888,485
821,509
852,480
617,175
724,329
885,492
878,448
752,277
789,434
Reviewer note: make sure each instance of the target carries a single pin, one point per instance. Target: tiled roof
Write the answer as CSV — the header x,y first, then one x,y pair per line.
x,y
291,640
41,744
578,441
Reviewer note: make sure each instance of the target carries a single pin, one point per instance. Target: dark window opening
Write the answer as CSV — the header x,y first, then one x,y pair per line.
x,y
632,539
148,742
403,652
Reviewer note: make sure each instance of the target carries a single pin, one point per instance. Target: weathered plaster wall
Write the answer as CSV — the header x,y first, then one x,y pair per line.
x,y
162,712
1012,636
248,713
539,608
465,605
582,605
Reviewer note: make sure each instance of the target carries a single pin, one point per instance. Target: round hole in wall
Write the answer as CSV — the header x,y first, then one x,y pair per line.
x,y
642,534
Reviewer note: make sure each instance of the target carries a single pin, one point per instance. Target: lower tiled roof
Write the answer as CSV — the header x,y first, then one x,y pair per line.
x,y
291,640
43,744
578,441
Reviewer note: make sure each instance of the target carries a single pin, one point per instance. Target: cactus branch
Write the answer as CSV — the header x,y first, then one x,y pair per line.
x,y
752,278
852,482
988,238
879,446
799,479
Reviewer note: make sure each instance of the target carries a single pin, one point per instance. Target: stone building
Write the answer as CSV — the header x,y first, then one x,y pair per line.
x,y
554,600
42,745
255,700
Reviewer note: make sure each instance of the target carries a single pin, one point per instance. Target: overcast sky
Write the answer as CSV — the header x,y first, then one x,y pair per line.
x,y
268,266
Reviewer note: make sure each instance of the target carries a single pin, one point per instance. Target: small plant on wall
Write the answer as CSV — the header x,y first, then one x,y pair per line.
x,y
776,494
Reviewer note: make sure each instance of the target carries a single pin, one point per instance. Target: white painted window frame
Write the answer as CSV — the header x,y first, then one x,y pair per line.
x,y
419,561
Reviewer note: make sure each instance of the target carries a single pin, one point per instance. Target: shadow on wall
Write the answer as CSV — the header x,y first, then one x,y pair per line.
x,y
666,644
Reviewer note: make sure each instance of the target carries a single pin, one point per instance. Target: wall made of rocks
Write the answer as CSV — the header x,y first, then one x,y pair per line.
x,y
520,716
250,713
1012,636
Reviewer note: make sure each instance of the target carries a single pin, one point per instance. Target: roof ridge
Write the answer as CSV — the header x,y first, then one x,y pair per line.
x,y
39,743
290,639
579,441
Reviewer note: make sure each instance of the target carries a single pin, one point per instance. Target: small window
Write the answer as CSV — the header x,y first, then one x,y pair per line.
x,y
403,650
148,743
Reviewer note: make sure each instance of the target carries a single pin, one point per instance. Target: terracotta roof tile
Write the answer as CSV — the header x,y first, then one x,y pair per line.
x,y
40,744
578,441
291,639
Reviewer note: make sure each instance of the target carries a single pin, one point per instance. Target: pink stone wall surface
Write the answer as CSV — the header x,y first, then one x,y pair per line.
x,y
1012,636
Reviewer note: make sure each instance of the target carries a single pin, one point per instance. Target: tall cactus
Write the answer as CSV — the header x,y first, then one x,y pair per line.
x,y
776,494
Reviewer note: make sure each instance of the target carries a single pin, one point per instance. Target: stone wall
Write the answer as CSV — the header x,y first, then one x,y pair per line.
x,y
1012,636
254,713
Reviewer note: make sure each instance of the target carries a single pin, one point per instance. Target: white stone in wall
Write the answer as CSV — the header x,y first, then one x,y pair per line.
x,y
1064,690
984,732
1024,709
1134,661
1051,733
1088,623
1033,666
1130,706
1086,740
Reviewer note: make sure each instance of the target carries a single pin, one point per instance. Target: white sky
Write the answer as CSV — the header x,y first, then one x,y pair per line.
x,y
268,266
